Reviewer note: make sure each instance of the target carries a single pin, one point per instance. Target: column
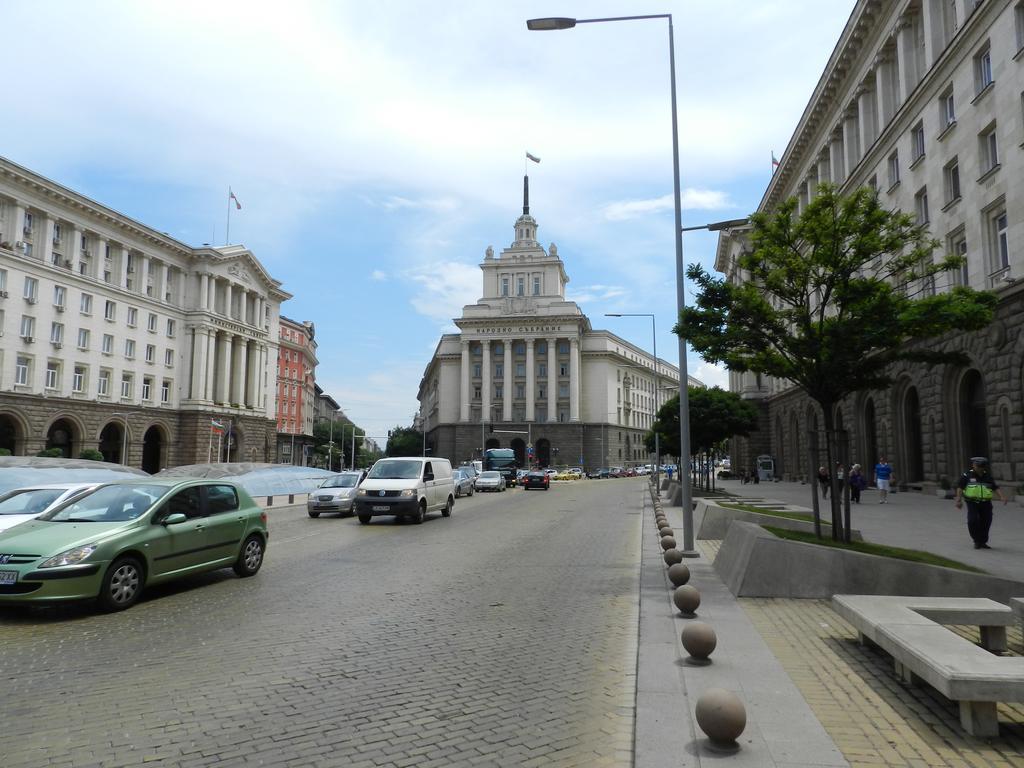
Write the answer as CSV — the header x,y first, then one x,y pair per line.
x,y
905,57
507,383
464,379
211,299
883,87
73,249
204,291
836,156
122,262
249,397
165,281
198,363
223,368
824,167
45,249
851,137
552,380
485,384
209,373
18,233
574,379
145,277
227,299
260,311
867,113
261,367
531,376
237,370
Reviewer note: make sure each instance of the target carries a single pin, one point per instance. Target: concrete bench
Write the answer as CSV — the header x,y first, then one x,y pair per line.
x,y
910,630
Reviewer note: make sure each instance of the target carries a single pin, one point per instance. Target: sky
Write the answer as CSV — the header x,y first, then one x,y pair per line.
x,y
377,148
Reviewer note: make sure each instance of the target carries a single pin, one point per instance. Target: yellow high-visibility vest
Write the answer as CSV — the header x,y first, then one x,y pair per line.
x,y
977,490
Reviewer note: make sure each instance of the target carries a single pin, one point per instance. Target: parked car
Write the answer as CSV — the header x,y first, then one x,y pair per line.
x,y
551,473
490,481
409,487
598,474
113,542
575,472
23,504
335,494
616,472
537,479
463,482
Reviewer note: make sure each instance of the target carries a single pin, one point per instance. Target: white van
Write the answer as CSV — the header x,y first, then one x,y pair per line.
x,y
406,486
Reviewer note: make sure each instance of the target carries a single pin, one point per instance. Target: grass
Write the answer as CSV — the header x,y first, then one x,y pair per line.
x,y
773,512
912,555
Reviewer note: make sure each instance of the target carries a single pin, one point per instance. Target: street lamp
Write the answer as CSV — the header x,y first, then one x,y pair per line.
x,y
657,384
553,23
124,435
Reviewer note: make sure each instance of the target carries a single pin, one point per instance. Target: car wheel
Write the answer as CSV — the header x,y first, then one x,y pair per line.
x,y
421,513
122,585
312,513
364,519
472,491
250,558
447,511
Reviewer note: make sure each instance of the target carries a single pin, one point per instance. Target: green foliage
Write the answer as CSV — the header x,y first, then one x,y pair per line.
x,y
91,454
5,451
715,415
341,432
50,453
404,441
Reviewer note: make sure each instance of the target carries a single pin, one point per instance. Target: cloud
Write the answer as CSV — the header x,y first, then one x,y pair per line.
x,y
586,294
378,275
691,199
443,288
712,375
435,205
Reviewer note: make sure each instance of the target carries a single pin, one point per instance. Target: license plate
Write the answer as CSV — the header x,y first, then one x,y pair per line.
x,y
382,509
8,577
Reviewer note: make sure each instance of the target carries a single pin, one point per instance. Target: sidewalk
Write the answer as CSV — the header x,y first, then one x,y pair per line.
x,y
914,521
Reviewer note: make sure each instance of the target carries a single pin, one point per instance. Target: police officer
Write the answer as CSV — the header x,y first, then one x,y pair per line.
x,y
977,487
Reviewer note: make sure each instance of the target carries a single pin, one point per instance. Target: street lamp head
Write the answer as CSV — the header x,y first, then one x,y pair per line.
x,y
612,314
730,224
550,23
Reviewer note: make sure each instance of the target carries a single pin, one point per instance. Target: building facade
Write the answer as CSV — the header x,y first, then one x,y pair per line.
x,y
527,371
118,338
924,102
296,391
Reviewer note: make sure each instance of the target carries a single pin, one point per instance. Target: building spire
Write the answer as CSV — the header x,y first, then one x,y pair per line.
x,y
526,194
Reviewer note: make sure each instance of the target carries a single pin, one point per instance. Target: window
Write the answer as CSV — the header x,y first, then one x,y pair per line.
x,y
78,379
563,347
541,393
504,286
57,333
110,310
536,286
917,141
107,348
126,385
542,348
476,393
894,169
921,205
52,375
499,349
165,391
83,338
988,149
85,305
56,234
133,317
150,353
951,180
520,391
31,290
170,328
21,371
519,349
499,392
129,348
499,370
563,390
151,323
476,370
983,69
563,370
220,498
542,369
3,279
947,109
520,286
147,389
873,183
28,223
999,245
60,294
28,326
103,383
520,369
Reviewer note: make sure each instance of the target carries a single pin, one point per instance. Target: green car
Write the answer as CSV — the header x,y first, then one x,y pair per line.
x,y
120,538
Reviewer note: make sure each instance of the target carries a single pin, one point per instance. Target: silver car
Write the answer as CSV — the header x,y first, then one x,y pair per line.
x,y
336,494
490,481
23,504
463,482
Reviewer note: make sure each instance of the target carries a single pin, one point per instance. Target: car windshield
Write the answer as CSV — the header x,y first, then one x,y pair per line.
x,y
29,501
108,504
396,469
341,481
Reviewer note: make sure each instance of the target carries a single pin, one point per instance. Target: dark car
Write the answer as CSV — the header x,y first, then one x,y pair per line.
x,y
536,479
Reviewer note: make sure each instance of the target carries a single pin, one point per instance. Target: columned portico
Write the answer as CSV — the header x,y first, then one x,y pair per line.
x,y
574,379
552,379
464,392
485,383
531,376
223,367
507,386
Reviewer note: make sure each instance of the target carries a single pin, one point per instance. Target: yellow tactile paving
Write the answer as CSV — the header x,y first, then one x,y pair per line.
x,y
874,719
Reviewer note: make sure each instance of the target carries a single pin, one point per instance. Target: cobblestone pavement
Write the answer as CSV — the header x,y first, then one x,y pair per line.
x,y
503,636
874,718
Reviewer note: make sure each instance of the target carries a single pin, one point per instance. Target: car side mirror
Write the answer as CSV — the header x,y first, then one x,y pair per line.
x,y
428,476
174,519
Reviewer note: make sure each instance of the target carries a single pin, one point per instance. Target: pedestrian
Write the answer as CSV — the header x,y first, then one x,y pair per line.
x,y
755,475
669,471
883,473
857,483
977,486
823,481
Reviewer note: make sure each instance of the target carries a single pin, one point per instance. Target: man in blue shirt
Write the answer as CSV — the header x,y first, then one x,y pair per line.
x,y
883,473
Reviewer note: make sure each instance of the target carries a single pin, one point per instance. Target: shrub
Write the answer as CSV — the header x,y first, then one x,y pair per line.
x,y
5,451
91,454
51,453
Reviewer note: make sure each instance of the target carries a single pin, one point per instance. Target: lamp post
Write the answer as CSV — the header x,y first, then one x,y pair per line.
x,y
124,435
555,23
657,383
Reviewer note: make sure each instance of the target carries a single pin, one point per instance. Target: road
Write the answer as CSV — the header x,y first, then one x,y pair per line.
x,y
504,635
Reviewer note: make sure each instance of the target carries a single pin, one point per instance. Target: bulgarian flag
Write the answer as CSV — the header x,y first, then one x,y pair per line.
x,y
532,157
231,196
775,162
216,427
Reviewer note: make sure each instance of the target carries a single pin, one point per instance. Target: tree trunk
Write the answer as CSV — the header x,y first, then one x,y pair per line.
x,y
830,466
812,447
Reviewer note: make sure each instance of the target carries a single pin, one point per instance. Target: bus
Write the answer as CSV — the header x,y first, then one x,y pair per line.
x,y
502,460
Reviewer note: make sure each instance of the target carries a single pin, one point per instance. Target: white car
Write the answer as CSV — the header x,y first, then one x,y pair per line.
x,y
490,481
23,504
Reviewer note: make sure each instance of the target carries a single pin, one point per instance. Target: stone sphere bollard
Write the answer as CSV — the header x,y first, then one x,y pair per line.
x,y
699,640
666,532
673,557
667,542
661,522
687,599
678,573
721,715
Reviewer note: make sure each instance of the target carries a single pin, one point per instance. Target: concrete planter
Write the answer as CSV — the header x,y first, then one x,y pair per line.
x,y
712,521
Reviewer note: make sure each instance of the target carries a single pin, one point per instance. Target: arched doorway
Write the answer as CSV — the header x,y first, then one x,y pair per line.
x,y
153,444
11,437
870,434
231,447
519,446
912,435
111,442
543,452
973,419
492,442
61,435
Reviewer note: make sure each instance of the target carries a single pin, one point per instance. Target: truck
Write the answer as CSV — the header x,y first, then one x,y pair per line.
x,y
501,460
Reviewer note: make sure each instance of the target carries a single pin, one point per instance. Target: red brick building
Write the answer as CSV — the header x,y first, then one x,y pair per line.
x,y
296,383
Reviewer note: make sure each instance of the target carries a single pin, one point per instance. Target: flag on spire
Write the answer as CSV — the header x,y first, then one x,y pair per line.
x,y
532,157
231,196
775,163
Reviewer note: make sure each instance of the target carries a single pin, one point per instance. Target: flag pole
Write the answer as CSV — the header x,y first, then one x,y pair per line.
x,y
227,233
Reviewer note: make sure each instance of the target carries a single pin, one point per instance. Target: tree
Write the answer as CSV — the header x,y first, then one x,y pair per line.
x,y
830,299
404,441
715,416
